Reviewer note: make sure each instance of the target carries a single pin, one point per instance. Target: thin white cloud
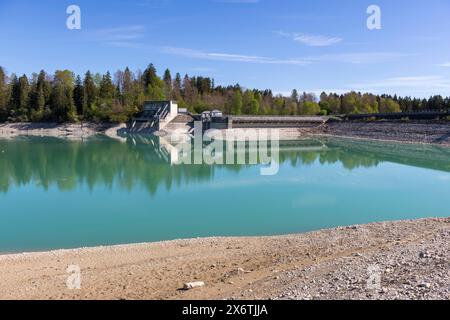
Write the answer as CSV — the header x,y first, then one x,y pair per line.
x,y
312,40
349,58
121,33
124,44
297,16
202,69
236,1
352,58
153,4
125,37
316,41
360,57
190,53
444,65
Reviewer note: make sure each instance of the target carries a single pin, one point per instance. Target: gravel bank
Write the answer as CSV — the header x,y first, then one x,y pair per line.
x,y
429,132
410,259
419,132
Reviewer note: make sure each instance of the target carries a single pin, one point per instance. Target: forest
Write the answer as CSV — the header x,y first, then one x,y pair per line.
x,y
66,97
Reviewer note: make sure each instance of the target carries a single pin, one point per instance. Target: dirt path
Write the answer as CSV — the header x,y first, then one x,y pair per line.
x,y
411,259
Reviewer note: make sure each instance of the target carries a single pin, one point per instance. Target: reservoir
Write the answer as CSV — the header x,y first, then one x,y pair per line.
x,y
57,193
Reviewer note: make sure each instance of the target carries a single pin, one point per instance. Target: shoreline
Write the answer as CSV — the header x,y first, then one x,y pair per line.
x,y
413,256
412,132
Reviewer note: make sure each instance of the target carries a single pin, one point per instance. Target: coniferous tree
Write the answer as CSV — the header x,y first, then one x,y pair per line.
x,y
167,84
107,89
176,92
295,96
127,89
149,77
188,91
3,95
127,82
14,98
89,95
153,85
21,99
40,96
63,107
106,95
78,95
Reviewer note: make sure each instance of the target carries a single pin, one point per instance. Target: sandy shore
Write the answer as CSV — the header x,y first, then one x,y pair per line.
x,y
411,259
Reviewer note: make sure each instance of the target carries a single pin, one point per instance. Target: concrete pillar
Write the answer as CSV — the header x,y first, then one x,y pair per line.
x,y
230,123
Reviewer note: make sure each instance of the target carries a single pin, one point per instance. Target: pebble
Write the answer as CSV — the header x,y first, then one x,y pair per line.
x,y
193,285
425,285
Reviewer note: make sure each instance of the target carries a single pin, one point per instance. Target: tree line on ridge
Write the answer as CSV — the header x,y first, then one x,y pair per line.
x,y
66,97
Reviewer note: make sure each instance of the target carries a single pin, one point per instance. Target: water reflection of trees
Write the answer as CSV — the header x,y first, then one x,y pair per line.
x,y
95,161
299,153
104,161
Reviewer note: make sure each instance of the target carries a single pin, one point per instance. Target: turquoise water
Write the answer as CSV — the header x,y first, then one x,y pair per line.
x,y
56,193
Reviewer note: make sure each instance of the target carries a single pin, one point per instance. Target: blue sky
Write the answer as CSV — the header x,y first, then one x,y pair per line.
x,y
277,44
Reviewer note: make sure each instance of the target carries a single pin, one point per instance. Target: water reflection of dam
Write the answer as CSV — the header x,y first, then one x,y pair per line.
x,y
424,156
150,160
327,149
171,153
